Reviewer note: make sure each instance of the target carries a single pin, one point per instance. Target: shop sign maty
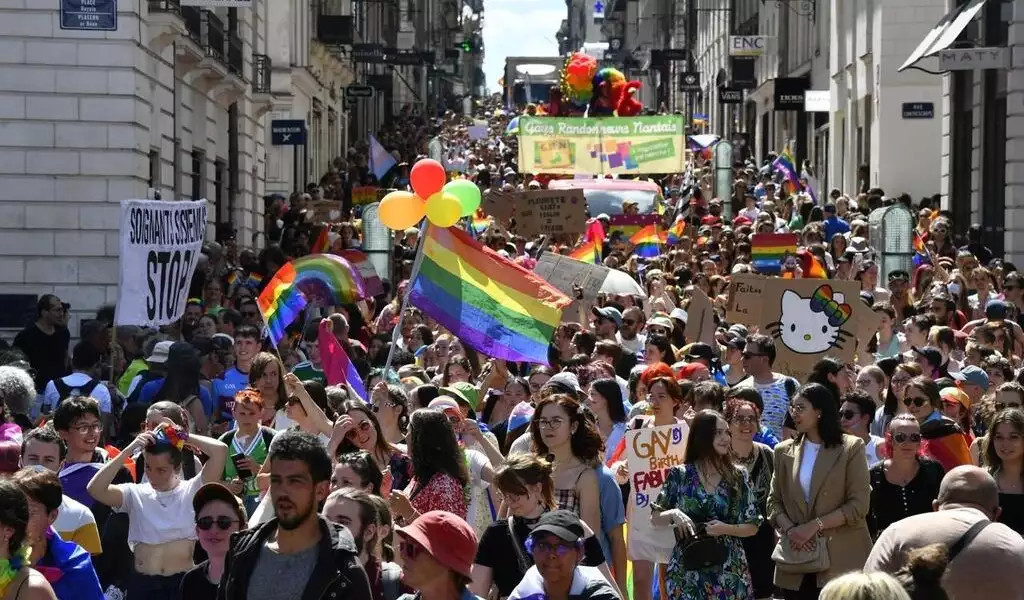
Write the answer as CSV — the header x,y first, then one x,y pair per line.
x,y
160,247
602,145
808,318
650,453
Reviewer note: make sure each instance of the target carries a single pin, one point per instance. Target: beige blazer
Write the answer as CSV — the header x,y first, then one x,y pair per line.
x,y
840,481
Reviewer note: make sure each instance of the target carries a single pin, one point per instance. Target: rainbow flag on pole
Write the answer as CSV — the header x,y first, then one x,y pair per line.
x,y
647,242
589,252
786,164
675,233
325,278
490,303
322,241
768,249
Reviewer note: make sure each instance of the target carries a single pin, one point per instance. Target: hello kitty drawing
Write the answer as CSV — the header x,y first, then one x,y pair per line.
x,y
812,325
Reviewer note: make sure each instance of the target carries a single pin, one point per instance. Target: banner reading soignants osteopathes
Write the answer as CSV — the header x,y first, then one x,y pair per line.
x,y
160,247
602,145
650,453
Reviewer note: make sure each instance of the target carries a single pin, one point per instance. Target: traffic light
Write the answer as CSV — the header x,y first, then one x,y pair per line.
x,y
471,45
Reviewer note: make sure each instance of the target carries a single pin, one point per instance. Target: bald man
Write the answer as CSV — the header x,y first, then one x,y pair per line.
x,y
988,567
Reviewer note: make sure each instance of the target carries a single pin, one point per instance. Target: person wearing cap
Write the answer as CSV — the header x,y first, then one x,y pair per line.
x,y
556,545
219,514
973,381
437,551
899,294
732,357
956,405
155,363
929,358
298,553
607,323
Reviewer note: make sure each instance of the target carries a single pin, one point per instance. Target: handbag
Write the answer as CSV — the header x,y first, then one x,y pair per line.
x,y
701,551
791,560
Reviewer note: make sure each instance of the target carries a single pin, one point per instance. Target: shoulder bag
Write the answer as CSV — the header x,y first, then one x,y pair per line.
x,y
790,560
700,551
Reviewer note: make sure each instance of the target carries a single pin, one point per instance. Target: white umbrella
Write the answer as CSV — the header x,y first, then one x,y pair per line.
x,y
619,282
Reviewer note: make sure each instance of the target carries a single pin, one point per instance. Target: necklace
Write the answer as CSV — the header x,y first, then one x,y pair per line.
x,y
10,568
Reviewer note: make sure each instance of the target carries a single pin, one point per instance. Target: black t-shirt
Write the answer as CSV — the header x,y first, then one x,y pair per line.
x,y
195,585
497,552
48,354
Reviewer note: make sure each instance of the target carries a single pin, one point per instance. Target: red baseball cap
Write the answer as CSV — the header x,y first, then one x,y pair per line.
x,y
455,546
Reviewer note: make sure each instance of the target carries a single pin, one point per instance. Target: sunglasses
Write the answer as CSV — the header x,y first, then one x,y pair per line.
x,y
744,420
899,437
918,401
361,428
223,523
630,322
560,550
849,415
1004,405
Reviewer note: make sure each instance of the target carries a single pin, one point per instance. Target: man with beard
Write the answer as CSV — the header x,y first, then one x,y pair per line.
x,y
355,510
298,554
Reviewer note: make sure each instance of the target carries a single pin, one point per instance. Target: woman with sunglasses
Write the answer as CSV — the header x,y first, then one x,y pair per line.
x,y
391,405
303,412
757,460
358,429
893,399
906,482
1004,457
944,441
938,235
218,515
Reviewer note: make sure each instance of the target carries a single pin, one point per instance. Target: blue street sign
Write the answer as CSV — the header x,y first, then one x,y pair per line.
x,y
88,15
291,132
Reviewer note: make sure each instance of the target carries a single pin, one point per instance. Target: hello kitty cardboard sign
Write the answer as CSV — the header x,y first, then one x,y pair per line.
x,y
813,318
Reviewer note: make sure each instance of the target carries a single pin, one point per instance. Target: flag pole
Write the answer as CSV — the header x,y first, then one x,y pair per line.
x,y
405,301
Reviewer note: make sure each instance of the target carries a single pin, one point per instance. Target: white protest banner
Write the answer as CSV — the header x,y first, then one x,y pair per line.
x,y
650,453
565,273
160,244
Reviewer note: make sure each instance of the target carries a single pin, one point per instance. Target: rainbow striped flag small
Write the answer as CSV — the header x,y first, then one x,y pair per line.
x,y
589,252
320,244
480,222
647,242
768,249
675,233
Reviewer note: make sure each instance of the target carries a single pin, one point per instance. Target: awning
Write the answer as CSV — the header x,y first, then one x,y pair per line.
x,y
944,33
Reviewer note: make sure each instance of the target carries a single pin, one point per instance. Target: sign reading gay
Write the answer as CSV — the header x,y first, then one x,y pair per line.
x,y
650,453
602,146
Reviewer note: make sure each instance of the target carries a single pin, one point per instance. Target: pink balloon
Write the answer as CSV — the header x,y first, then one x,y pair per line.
x,y
427,177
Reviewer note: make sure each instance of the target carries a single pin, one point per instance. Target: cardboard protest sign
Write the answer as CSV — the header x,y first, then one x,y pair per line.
x,y
160,247
602,146
326,211
500,205
564,272
364,194
812,318
650,453
550,212
700,321
745,301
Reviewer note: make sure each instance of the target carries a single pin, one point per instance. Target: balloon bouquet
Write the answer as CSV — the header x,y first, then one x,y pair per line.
x,y
442,203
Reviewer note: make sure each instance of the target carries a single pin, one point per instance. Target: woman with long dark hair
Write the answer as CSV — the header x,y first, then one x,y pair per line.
x,y
906,482
892,404
819,498
1004,457
358,429
708,496
18,580
605,401
391,404
440,477
181,386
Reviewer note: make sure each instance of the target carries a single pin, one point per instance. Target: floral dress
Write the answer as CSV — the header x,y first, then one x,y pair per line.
x,y
731,580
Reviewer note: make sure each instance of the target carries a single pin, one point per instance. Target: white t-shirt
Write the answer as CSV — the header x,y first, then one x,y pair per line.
x,y
808,456
871,450
100,393
159,517
478,515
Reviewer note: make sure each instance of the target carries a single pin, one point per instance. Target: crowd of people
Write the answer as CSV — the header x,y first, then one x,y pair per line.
x,y
463,476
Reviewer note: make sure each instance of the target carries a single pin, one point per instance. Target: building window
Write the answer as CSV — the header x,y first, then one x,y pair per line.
x,y
316,141
154,169
198,174
220,168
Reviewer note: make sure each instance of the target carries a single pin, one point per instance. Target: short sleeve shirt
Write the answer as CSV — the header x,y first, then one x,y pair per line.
x,y
159,517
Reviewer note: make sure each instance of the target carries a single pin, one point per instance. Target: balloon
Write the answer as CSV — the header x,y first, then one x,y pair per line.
x,y
400,210
427,177
467,194
443,209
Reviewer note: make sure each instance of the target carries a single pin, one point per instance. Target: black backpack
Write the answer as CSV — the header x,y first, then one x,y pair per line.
x,y
65,391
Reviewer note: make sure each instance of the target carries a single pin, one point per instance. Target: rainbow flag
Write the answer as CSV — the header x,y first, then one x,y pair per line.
x,y
338,368
768,249
647,242
254,281
786,164
589,252
675,233
366,268
919,243
325,278
321,243
490,303
480,222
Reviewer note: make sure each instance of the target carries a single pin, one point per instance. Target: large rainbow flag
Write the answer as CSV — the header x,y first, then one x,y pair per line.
x,y
768,249
324,278
490,303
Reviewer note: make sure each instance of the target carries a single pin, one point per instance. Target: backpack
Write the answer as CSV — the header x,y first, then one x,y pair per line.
x,y
65,391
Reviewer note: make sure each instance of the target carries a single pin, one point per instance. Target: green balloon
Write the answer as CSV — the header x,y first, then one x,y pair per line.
x,y
467,193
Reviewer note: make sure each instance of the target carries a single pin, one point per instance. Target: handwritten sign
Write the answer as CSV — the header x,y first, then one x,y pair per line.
x,y
540,212
650,453
700,323
564,272
745,301
500,205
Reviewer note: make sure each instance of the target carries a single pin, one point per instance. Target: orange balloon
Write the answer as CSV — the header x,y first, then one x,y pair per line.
x,y
427,177
401,210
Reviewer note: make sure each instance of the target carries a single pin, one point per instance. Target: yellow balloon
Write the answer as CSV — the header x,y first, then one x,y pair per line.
x,y
443,209
400,210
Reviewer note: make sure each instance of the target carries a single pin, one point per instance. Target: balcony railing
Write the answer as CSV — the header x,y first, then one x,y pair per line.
x,y
215,38
236,62
261,74
193,23
165,6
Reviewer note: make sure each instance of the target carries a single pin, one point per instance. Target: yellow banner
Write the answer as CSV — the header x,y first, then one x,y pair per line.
x,y
602,146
